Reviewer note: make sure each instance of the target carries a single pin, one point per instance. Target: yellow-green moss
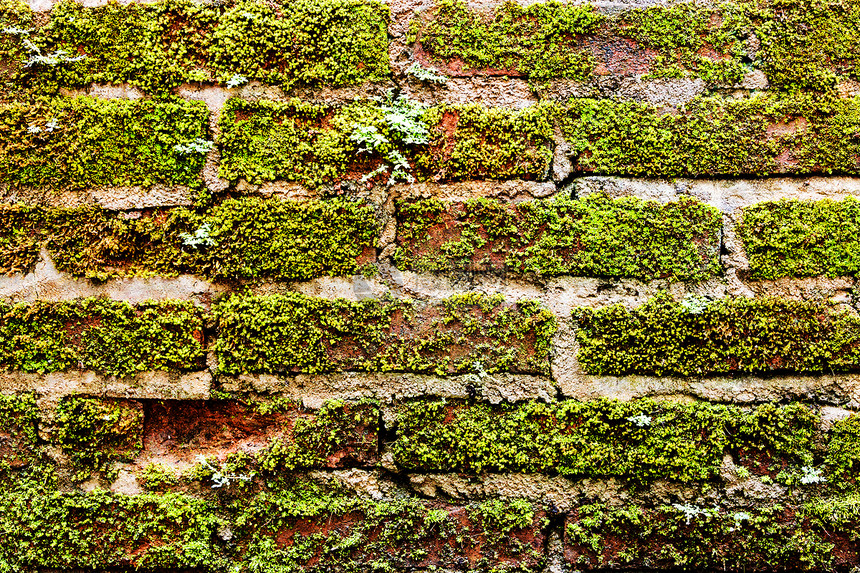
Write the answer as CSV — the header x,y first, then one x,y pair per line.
x,y
698,337
162,45
539,41
794,238
93,431
640,440
83,142
237,238
296,333
115,338
596,236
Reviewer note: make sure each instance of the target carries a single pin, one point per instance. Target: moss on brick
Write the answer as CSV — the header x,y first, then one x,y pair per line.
x,y
94,431
843,452
640,440
697,537
756,135
70,530
19,419
595,236
539,41
796,238
237,238
300,526
696,337
115,338
159,46
296,333
78,143
298,141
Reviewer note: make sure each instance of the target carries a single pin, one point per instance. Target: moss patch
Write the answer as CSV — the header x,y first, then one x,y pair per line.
x,y
757,135
99,529
93,431
596,236
78,143
237,238
19,419
680,535
295,333
159,46
794,238
115,338
539,41
695,337
297,141
640,440
305,527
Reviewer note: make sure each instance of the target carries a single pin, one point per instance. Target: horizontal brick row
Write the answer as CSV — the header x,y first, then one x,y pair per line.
x,y
344,42
161,437
77,143
172,444
472,334
159,46
798,44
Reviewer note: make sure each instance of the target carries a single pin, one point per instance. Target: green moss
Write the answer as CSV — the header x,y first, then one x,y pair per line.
x,y
690,39
78,143
337,430
237,238
808,44
157,477
595,236
297,141
159,46
94,431
19,419
299,526
760,135
843,451
115,338
478,142
572,438
102,530
539,41
663,337
295,333
794,238
691,537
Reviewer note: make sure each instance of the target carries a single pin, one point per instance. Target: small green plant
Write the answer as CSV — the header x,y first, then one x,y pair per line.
x,y
199,238
220,479
404,120
199,145
423,74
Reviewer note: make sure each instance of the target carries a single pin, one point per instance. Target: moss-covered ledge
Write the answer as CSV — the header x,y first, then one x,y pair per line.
x,y
596,236
158,46
465,333
698,337
114,338
800,44
237,238
77,143
797,238
640,441
389,141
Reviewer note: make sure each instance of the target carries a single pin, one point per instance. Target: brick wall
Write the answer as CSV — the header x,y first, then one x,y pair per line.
x,y
348,286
